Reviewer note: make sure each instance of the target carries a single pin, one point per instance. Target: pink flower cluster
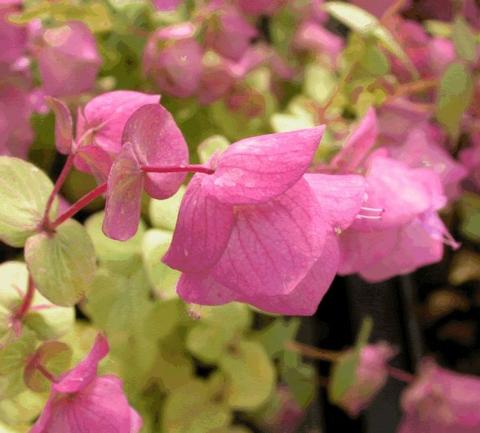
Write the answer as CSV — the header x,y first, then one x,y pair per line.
x,y
81,401
68,61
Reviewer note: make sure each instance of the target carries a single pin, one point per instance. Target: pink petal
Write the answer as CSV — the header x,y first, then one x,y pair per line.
x,y
136,422
273,246
95,161
358,144
99,407
340,197
166,5
68,60
124,194
304,299
257,169
84,373
394,187
361,249
203,229
157,141
414,248
41,425
107,114
203,289
63,125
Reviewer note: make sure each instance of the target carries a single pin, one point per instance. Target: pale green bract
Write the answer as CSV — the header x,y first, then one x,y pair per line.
x,y
63,263
24,191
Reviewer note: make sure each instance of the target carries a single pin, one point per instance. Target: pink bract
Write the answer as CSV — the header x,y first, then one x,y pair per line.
x,y
228,32
441,401
100,127
173,60
13,38
150,138
68,59
371,377
16,135
82,402
264,232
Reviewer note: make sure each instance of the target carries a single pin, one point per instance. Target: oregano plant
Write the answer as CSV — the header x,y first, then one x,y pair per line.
x,y
182,181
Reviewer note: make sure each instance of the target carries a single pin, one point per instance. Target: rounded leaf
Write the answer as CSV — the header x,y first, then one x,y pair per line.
x,y
62,264
250,376
24,192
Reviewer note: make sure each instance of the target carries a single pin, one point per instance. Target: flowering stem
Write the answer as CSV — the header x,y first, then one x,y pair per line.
x,y
400,375
56,188
188,168
27,300
80,204
313,352
47,374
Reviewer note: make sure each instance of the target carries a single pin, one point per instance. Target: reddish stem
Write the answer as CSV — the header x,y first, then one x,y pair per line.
x,y
49,376
80,204
402,376
56,189
313,352
27,300
188,168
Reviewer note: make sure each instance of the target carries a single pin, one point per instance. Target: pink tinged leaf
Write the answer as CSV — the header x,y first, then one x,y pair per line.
x,y
358,144
340,197
157,141
99,407
257,169
202,231
273,246
124,194
85,372
394,187
63,125
107,115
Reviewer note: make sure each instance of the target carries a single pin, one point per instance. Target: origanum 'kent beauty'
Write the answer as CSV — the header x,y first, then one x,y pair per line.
x,y
82,402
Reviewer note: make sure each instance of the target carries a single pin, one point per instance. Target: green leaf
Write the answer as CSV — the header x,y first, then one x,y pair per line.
x,y
14,354
438,28
250,376
163,278
319,83
11,385
54,356
464,40
207,343
367,24
47,320
470,213
192,409
163,213
21,409
63,263
277,334
94,14
24,191
301,381
119,256
454,97
374,61
210,146
344,371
